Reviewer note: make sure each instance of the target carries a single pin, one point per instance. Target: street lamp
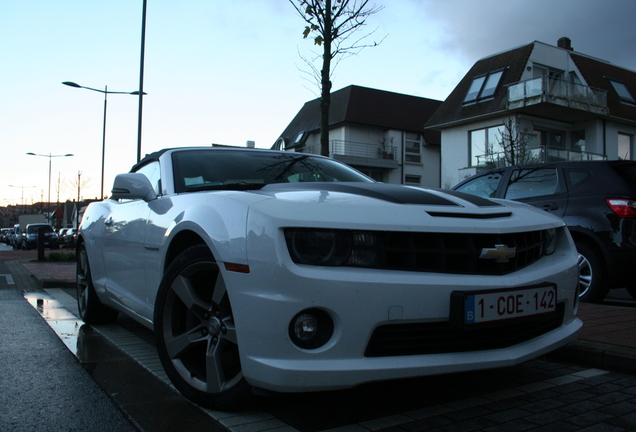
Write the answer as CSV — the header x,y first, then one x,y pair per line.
x,y
50,156
106,92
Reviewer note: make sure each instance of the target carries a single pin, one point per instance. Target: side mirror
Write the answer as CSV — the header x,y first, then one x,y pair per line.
x,y
133,186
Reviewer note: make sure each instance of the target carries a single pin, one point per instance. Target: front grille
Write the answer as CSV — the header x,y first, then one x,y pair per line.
x,y
456,253
442,337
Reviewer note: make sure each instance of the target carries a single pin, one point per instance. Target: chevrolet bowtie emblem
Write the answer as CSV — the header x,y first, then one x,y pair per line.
x,y
500,253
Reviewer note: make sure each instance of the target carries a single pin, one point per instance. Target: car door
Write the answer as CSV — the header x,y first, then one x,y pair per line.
x,y
123,246
541,186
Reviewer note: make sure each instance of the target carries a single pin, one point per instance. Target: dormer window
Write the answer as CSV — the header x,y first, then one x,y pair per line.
x,y
299,138
483,87
623,94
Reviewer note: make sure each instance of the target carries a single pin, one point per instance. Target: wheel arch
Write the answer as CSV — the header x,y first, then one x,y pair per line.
x,y
181,241
590,239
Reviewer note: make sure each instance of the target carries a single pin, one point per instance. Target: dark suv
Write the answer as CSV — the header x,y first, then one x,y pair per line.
x,y
596,199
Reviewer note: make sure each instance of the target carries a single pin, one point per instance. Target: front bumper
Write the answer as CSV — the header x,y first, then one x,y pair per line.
x,y
359,300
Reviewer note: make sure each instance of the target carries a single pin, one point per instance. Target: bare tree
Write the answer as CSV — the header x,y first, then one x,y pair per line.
x,y
332,24
514,145
77,184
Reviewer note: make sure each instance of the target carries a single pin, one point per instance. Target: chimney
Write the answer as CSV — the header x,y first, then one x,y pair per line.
x,y
250,144
565,43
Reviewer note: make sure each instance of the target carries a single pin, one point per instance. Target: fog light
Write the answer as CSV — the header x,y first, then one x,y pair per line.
x,y
305,327
311,328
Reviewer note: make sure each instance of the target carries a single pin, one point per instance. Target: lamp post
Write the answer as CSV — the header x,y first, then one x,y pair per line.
x,y
106,92
50,156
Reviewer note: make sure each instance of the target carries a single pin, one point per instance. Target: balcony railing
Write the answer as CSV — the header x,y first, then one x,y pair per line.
x,y
556,91
355,149
538,155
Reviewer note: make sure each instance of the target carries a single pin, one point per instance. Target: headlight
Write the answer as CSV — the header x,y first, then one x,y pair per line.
x,y
550,241
318,246
332,247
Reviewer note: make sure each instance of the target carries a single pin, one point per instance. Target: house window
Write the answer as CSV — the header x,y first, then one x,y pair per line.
x,y
412,147
552,138
625,143
578,140
623,94
412,180
483,87
485,146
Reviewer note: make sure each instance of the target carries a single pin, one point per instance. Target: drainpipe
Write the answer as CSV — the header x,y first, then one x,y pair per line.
x,y
604,138
403,158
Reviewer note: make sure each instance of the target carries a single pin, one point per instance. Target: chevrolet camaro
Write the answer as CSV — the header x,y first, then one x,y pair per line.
x,y
291,272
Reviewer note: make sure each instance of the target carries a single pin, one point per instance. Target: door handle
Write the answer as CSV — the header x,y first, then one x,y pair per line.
x,y
549,207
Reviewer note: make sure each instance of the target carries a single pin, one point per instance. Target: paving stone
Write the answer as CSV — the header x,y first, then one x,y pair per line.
x,y
589,418
543,405
582,407
619,409
547,417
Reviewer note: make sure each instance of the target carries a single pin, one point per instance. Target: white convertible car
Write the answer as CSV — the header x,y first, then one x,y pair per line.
x,y
292,272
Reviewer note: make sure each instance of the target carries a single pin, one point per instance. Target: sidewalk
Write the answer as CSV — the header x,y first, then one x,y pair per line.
x,y
43,386
606,341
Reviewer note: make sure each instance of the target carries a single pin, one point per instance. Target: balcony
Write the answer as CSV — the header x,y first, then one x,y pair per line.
x,y
360,154
543,154
557,93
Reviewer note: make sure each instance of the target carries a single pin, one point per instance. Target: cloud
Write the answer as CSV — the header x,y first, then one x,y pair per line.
x,y
476,29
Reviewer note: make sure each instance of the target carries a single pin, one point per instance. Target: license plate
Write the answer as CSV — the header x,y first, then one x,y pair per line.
x,y
506,304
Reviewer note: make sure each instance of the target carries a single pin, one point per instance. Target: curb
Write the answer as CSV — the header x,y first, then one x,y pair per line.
x,y
597,355
46,281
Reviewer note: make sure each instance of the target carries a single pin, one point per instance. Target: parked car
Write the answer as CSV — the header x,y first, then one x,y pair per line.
x,y
293,272
4,235
68,239
15,238
30,236
597,200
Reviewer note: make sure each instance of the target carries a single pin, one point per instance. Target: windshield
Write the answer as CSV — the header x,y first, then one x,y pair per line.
x,y
245,170
33,229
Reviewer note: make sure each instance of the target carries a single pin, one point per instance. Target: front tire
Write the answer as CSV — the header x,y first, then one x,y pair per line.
x,y
91,309
196,337
592,281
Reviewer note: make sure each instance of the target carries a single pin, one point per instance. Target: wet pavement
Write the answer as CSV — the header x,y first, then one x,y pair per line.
x,y
569,390
42,386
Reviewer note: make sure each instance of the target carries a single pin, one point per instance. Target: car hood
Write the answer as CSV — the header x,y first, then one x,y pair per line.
x,y
385,206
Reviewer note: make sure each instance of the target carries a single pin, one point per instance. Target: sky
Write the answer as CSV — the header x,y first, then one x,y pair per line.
x,y
229,71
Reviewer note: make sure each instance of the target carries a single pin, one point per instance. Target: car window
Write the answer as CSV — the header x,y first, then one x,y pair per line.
x,y
484,186
526,183
199,170
153,173
574,177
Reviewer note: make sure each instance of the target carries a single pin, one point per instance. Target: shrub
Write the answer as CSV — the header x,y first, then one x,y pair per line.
x,y
61,257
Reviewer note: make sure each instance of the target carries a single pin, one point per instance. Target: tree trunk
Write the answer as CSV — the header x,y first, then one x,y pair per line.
x,y
325,83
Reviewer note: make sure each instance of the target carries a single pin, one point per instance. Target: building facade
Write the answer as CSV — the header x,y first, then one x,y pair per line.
x,y
536,103
379,133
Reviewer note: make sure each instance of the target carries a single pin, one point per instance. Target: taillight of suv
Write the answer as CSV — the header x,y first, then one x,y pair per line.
x,y
623,208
